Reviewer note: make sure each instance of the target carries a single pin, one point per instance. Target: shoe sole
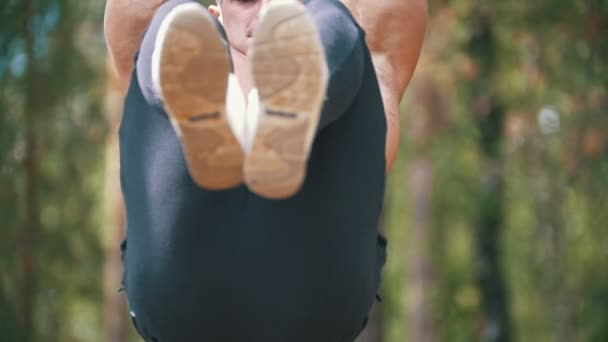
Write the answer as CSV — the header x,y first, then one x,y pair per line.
x,y
290,73
193,78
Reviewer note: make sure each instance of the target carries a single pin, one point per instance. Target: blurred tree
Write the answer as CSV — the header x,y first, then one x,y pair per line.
x,y
50,162
428,112
31,227
489,114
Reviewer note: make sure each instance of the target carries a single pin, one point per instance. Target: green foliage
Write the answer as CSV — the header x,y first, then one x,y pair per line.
x,y
547,54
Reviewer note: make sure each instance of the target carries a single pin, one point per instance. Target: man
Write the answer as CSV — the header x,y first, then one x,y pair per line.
x,y
294,255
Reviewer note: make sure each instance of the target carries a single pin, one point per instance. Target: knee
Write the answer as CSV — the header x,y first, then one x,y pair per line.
x,y
339,31
143,62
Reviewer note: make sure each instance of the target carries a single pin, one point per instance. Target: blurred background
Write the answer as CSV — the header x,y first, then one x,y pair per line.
x,y
495,211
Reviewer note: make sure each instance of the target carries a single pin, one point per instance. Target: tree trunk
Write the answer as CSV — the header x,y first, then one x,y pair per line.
x,y
116,322
31,226
29,263
495,324
489,114
550,196
427,120
421,185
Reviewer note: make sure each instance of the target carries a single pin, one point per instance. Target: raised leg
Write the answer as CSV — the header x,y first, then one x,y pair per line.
x,y
296,50
184,68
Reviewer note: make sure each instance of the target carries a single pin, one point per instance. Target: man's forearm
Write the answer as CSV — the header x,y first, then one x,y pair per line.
x,y
124,24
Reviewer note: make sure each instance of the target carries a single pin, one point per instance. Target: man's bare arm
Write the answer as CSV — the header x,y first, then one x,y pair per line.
x,y
395,32
124,24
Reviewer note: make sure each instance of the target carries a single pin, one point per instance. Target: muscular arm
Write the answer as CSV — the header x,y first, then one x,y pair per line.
x,y
395,31
124,24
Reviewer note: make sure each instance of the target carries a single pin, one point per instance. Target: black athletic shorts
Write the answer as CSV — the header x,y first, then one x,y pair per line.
x,y
230,266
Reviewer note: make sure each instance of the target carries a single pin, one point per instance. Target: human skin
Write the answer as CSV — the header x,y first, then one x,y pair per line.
x,y
124,24
394,33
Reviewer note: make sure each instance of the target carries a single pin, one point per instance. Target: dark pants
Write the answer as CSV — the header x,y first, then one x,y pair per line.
x,y
230,266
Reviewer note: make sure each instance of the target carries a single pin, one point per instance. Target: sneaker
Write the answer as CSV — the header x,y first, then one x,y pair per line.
x,y
191,67
290,75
